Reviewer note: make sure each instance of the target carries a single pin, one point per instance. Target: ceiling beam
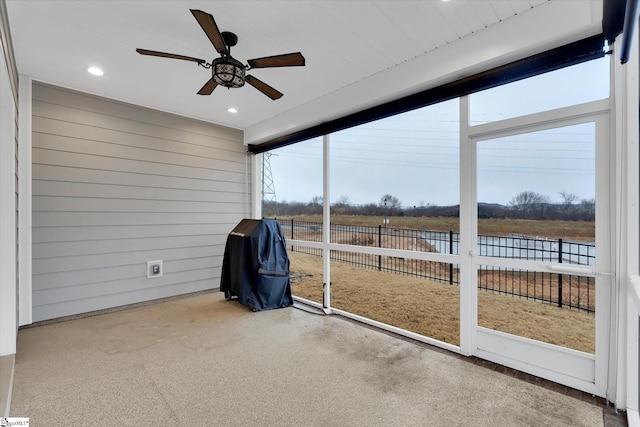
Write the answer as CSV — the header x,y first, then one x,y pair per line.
x,y
630,20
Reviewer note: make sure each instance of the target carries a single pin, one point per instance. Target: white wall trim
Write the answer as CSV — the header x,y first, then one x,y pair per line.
x,y
632,370
256,185
8,308
624,133
7,369
627,97
24,201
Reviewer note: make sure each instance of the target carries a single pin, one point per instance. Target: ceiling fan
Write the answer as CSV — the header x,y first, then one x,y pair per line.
x,y
227,71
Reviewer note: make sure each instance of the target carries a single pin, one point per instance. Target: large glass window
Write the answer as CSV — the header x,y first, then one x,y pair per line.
x,y
588,81
395,185
544,184
395,196
544,176
292,180
292,193
404,165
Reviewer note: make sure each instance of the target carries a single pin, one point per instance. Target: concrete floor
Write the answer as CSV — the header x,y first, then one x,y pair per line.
x,y
203,361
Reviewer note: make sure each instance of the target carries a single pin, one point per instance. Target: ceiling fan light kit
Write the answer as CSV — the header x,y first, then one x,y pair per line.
x,y
227,71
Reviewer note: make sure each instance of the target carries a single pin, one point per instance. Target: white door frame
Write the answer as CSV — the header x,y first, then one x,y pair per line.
x,y
577,369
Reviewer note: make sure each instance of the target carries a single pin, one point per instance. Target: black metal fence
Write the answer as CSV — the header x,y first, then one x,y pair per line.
x,y
563,290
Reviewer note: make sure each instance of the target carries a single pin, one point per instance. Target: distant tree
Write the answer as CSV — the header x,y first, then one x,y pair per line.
x,y
316,200
568,199
527,198
588,206
390,201
486,210
343,200
528,202
370,209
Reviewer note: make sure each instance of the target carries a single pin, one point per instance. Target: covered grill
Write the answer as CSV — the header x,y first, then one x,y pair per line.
x,y
255,267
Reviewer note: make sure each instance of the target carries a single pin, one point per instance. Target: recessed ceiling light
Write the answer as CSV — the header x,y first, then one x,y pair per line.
x,y
232,110
95,71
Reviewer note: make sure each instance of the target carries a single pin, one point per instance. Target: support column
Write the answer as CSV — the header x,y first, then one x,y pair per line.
x,y
468,227
326,227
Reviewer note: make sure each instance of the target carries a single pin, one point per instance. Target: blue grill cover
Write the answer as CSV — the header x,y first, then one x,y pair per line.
x,y
255,267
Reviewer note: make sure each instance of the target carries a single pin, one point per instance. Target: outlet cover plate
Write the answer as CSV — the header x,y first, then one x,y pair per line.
x,y
154,269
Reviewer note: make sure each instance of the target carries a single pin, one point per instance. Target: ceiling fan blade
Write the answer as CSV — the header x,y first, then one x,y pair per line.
x,y
208,87
210,28
285,60
169,55
263,87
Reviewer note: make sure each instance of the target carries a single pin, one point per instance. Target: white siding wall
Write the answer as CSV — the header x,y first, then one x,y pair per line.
x,y
115,186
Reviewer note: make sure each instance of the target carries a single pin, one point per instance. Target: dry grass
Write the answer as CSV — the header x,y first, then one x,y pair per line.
x,y
572,230
431,308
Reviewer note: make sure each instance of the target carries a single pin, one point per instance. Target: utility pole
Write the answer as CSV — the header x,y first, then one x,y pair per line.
x,y
268,187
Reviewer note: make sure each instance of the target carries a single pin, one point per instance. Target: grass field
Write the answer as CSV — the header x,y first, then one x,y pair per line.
x,y
432,308
573,230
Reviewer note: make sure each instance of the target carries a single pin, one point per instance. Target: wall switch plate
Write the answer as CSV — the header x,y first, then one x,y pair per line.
x,y
154,269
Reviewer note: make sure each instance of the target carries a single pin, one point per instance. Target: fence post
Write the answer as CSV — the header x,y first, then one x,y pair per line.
x,y
379,245
560,275
451,253
291,228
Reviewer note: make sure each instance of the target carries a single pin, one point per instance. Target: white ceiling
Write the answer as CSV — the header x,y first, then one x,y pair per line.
x,y
369,47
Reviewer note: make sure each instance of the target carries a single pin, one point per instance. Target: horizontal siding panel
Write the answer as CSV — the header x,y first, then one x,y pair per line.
x,y
90,161
106,274
88,290
79,277
116,260
68,234
85,204
84,175
109,191
53,219
63,249
109,150
115,186
223,142
68,308
158,121
177,265
198,145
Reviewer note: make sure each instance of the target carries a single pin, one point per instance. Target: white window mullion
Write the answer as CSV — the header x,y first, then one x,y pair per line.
x,y
468,227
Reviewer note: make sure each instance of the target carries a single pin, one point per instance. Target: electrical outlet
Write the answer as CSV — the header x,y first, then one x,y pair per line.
x,y
154,269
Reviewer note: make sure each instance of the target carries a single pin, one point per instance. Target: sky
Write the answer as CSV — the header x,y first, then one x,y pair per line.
x,y
414,156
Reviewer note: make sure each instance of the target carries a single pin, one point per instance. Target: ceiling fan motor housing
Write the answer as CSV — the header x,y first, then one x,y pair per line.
x,y
230,39
228,72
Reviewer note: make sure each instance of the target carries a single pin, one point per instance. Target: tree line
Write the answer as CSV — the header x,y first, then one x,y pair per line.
x,y
524,205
